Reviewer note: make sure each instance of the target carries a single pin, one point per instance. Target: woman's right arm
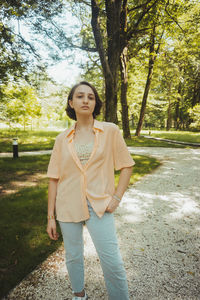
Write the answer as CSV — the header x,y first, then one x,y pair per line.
x,y
51,225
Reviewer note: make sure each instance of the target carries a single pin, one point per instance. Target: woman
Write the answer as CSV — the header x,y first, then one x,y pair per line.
x,y
82,190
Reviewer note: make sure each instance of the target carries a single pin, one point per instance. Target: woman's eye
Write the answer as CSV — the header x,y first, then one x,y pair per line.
x,y
89,97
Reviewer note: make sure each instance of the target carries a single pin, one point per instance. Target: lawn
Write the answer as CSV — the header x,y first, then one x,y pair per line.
x,y
23,205
44,140
27,140
182,136
145,142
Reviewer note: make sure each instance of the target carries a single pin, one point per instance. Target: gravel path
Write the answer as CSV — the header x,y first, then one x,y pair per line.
x,y
158,229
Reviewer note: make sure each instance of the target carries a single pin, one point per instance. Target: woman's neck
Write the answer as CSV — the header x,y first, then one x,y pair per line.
x,y
84,124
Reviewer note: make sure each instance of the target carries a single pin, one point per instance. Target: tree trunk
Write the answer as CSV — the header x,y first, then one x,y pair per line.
x,y
196,92
177,115
152,57
110,101
124,69
148,83
124,85
177,108
169,115
144,100
169,110
110,58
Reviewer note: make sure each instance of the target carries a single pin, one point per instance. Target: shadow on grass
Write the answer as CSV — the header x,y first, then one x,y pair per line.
x,y
17,169
24,241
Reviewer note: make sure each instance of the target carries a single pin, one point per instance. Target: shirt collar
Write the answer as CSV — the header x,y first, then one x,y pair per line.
x,y
96,126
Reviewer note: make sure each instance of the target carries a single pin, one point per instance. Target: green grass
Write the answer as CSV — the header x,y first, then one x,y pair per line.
x,y
44,140
24,242
183,136
22,166
144,142
27,140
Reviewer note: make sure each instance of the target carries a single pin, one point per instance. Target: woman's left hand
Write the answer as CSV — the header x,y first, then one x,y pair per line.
x,y
112,205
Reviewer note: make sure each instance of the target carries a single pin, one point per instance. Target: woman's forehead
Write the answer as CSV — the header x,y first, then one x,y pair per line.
x,y
84,89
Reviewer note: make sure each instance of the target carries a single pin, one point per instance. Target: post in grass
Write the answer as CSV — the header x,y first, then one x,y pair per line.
x,y
15,147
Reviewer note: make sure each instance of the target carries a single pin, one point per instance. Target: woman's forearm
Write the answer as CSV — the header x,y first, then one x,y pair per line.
x,y
124,179
52,191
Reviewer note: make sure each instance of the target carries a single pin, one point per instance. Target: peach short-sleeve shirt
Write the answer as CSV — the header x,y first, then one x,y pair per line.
x,y
94,180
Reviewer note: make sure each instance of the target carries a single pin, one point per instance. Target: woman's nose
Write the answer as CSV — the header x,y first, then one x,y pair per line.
x,y
85,99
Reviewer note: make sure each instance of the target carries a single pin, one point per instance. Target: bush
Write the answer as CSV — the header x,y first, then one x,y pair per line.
x,y
195,116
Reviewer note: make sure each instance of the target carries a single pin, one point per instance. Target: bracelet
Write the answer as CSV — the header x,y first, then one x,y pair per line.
x,y
51,217
116,198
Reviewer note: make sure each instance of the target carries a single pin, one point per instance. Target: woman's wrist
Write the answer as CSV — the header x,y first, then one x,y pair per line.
x,y
117,197
50,217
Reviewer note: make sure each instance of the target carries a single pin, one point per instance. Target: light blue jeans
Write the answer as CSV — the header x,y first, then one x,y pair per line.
x,y
103,234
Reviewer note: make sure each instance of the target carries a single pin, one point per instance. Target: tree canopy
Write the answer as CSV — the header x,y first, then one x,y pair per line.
x,y
144,53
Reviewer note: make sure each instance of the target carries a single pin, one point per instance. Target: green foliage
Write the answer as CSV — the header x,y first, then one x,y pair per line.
x,y
53,99
195,116
19,55
21,104
175,83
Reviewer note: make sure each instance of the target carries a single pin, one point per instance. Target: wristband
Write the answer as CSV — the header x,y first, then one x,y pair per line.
x,y
117,198
51,217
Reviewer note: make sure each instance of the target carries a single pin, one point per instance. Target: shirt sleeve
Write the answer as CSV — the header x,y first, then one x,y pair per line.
x,y
53,170
122,157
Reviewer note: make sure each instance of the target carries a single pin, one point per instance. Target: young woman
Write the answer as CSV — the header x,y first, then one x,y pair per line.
x,y
82,190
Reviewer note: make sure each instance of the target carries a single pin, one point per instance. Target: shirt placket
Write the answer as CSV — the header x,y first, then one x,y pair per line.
x,y
83,168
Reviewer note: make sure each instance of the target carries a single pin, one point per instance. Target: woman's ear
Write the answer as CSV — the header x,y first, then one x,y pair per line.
x,y
71,103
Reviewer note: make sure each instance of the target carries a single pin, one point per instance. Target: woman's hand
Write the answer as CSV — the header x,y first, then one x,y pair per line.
x,y
112,205
51,229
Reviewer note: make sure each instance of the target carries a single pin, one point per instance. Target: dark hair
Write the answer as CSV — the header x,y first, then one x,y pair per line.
x,y
71,112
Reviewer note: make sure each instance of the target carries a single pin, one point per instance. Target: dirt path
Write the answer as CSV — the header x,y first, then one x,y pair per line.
x,y
158,227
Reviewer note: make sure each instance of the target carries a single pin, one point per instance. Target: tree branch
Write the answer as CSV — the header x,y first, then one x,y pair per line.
x,y
139,6
85,48
159,42
84,2
98,38
174,20
145,11
31,48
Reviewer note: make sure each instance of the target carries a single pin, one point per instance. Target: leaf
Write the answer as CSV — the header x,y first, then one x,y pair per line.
x,y
191,273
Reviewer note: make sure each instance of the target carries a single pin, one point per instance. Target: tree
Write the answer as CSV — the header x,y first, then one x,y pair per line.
x,y
19,57
113,53
109,57
21,105
153,52
195,116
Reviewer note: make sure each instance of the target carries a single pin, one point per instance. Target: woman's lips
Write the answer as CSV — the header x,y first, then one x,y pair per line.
x,y
85,107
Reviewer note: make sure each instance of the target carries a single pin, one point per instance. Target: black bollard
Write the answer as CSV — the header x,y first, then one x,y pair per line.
x,y
15,148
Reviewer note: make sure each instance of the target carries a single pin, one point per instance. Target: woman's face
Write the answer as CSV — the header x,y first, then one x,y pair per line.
x,y
83,100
